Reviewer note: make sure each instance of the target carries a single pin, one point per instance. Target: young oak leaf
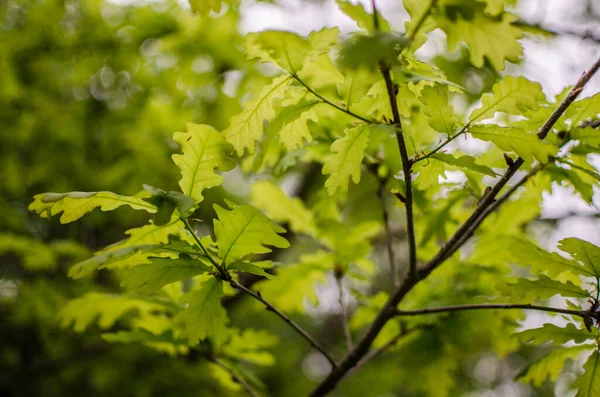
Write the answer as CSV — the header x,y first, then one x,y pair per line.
x,y
148,278
527,146
204,7
494,38
584,252
204,151
550,366
296,282
588,384
247,127
278,206
288,50
74,205
244,230
291,123
558,335
106,308
363,19
525,253
205,317
543,288
512,95
349,152
440,114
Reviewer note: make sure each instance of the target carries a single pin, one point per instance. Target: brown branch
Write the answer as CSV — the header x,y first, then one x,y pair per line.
x,y
235,377
288,320
490,306
389,309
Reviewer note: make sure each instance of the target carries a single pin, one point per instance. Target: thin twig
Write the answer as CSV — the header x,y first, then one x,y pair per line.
x,y
389,237
388,310
288,320
343,309
443,144
210,258
236,378
327,101
489,306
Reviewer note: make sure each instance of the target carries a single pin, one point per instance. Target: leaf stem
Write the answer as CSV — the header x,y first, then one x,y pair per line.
x,y
443,144
221,271
288,320
236,378
327,101
421,21
489,306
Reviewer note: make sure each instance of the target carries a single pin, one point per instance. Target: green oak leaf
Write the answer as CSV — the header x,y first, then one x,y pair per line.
x,y
247,127
204,151
245,230
368,51
74,205
82,312
148,278
249,267
204,7
491,38
588,384
463,162
512,95
278,206
363,19
348,154
291,123
550,366
527,146
543,288
440,114
558,335
288,50
525,253
584,252
204,317
248,345
296,282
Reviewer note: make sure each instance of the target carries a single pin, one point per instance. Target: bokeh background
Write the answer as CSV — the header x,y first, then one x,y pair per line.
x,y
90,94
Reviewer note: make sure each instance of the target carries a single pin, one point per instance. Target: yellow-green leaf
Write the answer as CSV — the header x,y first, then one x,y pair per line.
x,y
278,206
245,230
204,151
440,114
550,366
349,152
512,95
584,252
247,127
558,335
543,288
527,146
588,384
74,205
205,317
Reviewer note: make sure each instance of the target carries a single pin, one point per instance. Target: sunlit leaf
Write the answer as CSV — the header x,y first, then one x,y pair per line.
x,y
527,146
245,230
204,151
278,206
247,127
440,114
588,384
558,335
512,95
204,317
347,159
543,288
550,366
363,19
74,205
584,252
